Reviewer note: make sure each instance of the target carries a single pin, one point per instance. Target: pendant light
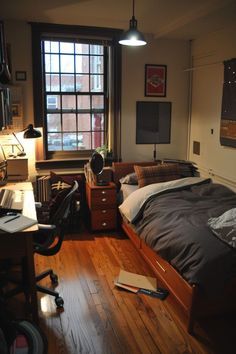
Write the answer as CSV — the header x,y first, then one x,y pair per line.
x,y
132,37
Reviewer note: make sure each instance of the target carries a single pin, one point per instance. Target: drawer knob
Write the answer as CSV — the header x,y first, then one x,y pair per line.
x,y
104,224
104,199
104,192
104,211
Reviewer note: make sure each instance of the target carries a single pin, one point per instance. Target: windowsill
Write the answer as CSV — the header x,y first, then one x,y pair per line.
x,y
61,163
75,165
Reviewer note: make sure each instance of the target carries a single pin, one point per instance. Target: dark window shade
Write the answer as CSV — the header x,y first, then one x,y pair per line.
x,y
153,122
228,111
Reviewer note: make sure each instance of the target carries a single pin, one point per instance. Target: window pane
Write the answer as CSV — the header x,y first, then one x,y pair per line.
x,y
69,122
53,102
51,47
82,64
68,102
84,141
96,82
67,64
83,102
66,47
54,141
81,48
82,83
96,64
67,83
84,122
53,122
97,139
97,121
96,49
52,82
69,141
51,63
98,102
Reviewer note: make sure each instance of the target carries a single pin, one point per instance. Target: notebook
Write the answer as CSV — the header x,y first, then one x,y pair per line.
x,y
15,223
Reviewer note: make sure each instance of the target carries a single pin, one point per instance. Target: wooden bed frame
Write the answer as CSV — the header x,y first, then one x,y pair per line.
x,y
189,297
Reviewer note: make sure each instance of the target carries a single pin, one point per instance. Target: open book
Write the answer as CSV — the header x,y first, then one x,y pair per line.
x,y
15,223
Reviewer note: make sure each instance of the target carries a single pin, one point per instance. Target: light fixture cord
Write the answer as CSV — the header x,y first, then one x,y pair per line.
x,y
133,8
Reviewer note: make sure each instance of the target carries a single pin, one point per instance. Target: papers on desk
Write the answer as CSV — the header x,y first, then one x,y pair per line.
x,y
15,223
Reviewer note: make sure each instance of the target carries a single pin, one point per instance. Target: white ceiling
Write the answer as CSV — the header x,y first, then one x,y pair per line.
x,y
182,19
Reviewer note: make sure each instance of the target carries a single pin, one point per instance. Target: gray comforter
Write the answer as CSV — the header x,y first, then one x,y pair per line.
x,y
174,224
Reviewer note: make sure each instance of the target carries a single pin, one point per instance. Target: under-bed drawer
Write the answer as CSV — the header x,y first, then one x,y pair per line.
x,y
169,276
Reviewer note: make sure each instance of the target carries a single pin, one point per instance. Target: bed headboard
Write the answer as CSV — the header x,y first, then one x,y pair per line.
x,y
121,169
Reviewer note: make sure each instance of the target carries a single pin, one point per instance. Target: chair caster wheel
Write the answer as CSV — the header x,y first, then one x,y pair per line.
x,y
54,278
59,301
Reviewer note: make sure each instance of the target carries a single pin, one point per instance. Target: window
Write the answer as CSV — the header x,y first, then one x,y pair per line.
x,y
80,101
74,76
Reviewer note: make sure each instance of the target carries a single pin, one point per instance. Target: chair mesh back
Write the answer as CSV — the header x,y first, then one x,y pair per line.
x,y
63,210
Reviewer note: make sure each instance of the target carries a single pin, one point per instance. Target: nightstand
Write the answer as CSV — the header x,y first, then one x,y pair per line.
x,y
101,201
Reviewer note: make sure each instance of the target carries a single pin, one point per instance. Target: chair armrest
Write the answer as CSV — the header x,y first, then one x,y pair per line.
x,y
46,227
38,205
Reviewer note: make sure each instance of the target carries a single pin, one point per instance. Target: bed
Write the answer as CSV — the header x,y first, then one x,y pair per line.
x,y
176,224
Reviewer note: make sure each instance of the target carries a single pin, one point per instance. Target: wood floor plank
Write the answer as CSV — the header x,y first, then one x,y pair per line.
x,y
100,318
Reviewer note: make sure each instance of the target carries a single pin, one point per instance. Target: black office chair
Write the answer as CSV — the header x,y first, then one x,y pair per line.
x,y
47,242
49,239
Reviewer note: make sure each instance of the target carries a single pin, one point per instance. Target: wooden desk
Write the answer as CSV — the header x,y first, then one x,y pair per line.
x,y
20,244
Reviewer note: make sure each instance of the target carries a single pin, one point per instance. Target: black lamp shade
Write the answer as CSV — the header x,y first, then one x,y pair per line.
x,y
132,37
31,133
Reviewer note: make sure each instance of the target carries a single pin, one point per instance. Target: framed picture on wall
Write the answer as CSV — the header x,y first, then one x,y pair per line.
x,y
155,80
16,110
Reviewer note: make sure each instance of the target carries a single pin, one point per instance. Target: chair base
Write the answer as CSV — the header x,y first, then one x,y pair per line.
x,y
43,289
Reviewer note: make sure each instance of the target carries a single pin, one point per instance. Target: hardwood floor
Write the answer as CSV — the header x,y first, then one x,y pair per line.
x,y
102,319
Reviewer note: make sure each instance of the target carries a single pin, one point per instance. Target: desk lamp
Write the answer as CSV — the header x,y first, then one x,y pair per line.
x,y
29,133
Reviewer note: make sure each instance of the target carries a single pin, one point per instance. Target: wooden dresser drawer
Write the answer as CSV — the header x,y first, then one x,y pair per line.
x,y
101,201
103,219
100,198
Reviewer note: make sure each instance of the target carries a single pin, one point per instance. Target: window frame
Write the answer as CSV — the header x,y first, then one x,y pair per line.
x,y
104,36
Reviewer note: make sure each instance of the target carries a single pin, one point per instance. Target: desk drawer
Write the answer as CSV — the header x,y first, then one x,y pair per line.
x,y
12,246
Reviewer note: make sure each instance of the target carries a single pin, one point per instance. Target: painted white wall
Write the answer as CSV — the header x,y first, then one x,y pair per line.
x,y
174,54
209,53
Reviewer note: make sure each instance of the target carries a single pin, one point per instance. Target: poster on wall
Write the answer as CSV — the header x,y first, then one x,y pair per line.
x,y
228,111
155,80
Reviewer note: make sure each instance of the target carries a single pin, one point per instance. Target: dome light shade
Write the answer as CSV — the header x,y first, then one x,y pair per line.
x,y
132,37
31,133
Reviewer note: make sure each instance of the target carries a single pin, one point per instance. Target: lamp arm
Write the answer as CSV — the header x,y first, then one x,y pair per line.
x,y
22,150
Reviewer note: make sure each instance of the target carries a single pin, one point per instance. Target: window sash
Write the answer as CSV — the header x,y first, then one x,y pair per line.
x,y
100,36
68,133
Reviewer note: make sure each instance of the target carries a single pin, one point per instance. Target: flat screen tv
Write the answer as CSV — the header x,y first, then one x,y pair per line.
x,y
153,122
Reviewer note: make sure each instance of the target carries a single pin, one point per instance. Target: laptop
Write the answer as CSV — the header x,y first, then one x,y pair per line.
x,y
11,200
